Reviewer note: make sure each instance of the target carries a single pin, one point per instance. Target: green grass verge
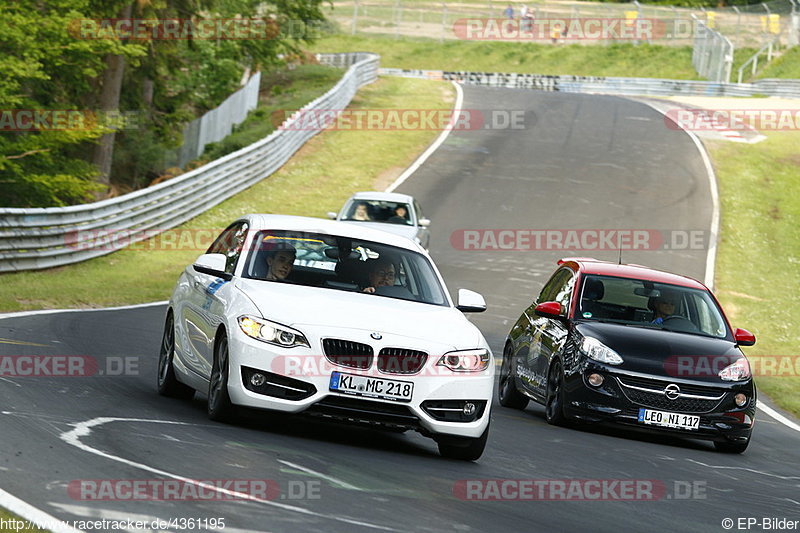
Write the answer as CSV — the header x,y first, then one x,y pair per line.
x,y
5,516
644,61
786,66
758,262
329,168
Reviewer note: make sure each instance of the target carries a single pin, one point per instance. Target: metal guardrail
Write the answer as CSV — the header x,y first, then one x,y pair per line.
x,y
46,237
608,85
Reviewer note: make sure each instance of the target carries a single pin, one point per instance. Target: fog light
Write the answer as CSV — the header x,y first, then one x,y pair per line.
x,y
469,409
256,380
740,399
595,380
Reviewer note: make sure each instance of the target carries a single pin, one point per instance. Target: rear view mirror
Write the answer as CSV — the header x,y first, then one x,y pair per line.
x,y
647,293
424,222
744,337
550,310
470,302
213,265
332,215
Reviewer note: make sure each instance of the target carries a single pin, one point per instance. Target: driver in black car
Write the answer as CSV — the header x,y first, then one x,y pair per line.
x,y
663,307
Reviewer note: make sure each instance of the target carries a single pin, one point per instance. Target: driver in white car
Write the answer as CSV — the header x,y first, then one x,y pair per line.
x,y
280,260
381,274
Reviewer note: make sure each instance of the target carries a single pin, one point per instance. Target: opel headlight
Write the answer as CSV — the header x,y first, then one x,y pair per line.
x,y
739,370
598,351
272,332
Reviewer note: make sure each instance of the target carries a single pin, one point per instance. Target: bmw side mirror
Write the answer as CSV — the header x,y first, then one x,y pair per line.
x,y
213,265
424,222
470,302
332,215
550,310
744,337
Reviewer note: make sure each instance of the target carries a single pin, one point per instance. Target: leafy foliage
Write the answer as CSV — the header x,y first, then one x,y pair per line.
x,y
47,63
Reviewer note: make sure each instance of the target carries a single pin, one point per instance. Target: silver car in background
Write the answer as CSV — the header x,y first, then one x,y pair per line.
x,y
387,211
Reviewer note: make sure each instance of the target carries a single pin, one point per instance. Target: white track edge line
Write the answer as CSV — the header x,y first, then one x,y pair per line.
x,y
83,429
712,248
52,311
38,517
435,145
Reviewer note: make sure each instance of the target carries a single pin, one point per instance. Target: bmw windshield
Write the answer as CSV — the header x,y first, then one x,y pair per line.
x,y
649,304
342,263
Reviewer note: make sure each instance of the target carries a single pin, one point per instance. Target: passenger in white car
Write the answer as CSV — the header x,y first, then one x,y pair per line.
x,y
361,213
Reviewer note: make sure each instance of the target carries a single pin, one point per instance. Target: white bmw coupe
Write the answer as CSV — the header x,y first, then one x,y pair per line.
x,y
334,320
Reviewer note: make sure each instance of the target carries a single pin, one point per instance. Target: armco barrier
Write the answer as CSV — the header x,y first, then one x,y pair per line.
x,y
41,238
46,237
608,85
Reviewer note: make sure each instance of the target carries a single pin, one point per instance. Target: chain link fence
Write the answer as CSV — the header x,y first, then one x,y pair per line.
x,y
712,53
713,33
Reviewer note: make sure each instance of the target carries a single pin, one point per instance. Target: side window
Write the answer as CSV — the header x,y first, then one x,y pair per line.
x,y
564,294
550,288
230,243
559,288
220,244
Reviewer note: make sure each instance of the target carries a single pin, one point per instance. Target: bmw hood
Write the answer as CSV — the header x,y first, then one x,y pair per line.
x,y
311,308
665,353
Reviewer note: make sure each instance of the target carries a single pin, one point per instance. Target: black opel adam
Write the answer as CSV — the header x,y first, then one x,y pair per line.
x,y
633,346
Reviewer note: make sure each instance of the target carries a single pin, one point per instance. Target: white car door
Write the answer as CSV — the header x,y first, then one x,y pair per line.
x,y
207,300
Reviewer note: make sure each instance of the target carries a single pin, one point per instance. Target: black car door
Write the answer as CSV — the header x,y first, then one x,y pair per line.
x,y
548,334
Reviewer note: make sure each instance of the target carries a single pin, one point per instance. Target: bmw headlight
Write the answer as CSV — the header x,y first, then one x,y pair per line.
x,y
466,360
739,370
598,351
272,332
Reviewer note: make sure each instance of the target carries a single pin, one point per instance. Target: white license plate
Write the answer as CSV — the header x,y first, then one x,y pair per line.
x,y
669,420
386,389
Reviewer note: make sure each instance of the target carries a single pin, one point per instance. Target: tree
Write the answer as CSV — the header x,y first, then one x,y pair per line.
x,y
48,61
44,67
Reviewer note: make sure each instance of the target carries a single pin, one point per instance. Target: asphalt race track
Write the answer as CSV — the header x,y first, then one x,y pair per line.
x,y
580,162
